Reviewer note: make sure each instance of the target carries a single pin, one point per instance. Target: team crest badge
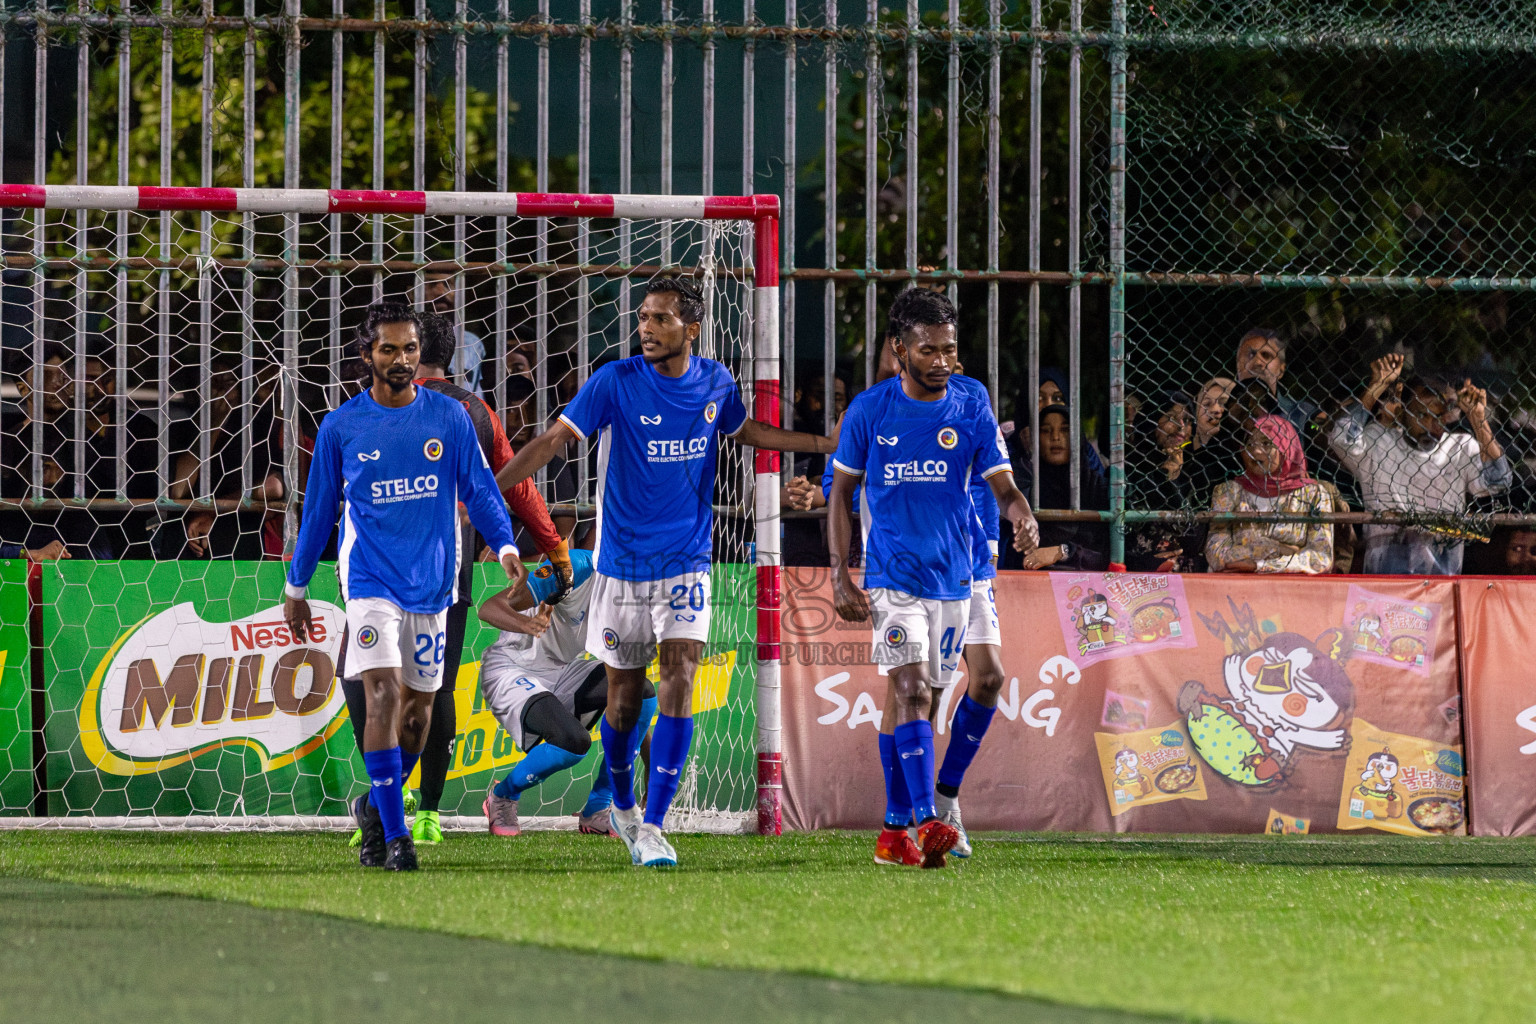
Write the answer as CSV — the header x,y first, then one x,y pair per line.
x,y
367,636
433,449
948,438
544,572
895,636
709,412
610,639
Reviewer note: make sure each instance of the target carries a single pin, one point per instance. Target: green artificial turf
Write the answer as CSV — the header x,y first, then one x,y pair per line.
x,y
1256,929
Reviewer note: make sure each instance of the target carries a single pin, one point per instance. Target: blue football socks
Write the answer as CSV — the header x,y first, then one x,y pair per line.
x,y
619,749
387,795
601,796
408,761
898,805
914,752
544,760
669,755
965,735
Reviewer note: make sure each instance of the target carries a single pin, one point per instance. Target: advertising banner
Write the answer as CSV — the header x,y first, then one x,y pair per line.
x,y
176,689
1500,704
1131,704
16,781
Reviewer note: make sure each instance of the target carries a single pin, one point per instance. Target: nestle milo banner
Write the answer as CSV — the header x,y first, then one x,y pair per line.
x,y
177,689
15,691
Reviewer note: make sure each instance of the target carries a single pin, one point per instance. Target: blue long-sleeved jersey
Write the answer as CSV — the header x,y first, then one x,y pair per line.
x,y
398,476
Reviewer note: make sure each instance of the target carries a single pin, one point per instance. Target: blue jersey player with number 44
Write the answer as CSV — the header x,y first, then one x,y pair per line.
x,y
659,417
395,462
914,442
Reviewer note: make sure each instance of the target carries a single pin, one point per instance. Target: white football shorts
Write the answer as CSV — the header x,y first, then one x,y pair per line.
x,y
913,630
508,688
381,635
628,618
984,627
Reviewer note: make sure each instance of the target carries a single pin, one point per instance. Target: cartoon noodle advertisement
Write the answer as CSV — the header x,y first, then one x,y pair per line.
x,y
1112,615
1123,713
1286,824
1279,695
1402,784
1148,767
1391,632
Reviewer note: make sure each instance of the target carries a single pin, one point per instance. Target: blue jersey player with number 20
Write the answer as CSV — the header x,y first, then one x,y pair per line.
x,y
395,462
658,417
914,442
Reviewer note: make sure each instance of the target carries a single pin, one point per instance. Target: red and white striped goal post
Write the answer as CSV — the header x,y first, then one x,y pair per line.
x,y
761,210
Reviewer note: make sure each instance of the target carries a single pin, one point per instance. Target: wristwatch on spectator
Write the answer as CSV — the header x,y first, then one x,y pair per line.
x,y
1066,551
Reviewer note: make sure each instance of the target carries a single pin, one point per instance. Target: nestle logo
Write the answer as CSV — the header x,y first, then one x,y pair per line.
x,y
265,635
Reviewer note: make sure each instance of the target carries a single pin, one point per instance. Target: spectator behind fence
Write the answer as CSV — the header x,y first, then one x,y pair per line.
x,y
441,293
1417,467
1156,481
522,410
1261,356
804,540
1274,479
1511,552
1219,458
1063,545
1210,406
233,458
82,532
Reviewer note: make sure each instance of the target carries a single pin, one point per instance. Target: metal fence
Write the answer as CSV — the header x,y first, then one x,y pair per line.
x,y
1154,177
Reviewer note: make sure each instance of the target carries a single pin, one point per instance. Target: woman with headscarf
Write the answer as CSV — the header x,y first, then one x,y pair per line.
x,y
1274,479
1156,480
1063,545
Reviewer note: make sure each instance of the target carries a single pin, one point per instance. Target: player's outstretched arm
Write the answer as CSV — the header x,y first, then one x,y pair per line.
x,y
505,611
757,434
1015,508
322,501
536,454
850,599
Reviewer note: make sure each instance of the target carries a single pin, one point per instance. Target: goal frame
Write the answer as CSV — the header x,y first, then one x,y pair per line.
x,y
763,350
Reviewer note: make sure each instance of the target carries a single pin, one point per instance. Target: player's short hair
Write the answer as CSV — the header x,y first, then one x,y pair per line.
x,y
919,307
690,304
381,313
437,339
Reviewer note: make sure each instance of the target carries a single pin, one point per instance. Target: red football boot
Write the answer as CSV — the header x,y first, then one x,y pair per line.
x,y
895,848
936,838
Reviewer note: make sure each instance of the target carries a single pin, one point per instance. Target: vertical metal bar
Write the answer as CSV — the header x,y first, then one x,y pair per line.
x,y
748,103
333,395
994,183
163,296
248,251
120,367
668,73
914,22
952,154
584,225
1074,256
829,223
291,114
707,156
204,275
82,177
500,285
419,153
39,232
4,45
1036,85
541,295
872,87
378,148
1117,171
460,100
787,249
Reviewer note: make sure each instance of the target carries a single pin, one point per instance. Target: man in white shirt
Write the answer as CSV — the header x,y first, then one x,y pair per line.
x,y
1416,466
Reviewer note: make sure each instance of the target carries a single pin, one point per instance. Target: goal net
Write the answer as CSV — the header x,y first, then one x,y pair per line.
x,y
168,355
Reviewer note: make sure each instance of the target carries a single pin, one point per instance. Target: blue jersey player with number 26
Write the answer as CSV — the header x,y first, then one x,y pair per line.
x,y
395,462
